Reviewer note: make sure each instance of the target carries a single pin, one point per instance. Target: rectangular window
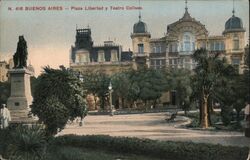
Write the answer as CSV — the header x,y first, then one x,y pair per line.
x,y
212,46
203,45
236,44
158,49
158,62
187,46
235,61
222,46
154,49
140,48
217,46
114,56
175,61
101,57
170,61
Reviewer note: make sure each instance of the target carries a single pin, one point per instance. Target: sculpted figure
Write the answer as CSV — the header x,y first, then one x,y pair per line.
x,y
20,57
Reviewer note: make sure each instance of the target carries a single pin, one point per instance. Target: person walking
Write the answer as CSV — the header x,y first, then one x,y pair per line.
x,y
5,116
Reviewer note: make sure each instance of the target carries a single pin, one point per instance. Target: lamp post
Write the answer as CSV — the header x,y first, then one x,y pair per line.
x,y
110,99
80,77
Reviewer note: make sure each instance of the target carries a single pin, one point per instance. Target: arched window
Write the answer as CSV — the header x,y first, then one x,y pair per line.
x,y
188,43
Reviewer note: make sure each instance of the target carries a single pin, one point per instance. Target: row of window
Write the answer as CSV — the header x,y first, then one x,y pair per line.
x,y
157,62
188,44
84,57
217,46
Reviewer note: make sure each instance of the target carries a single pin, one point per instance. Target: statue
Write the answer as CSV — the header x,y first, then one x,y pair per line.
x,y
20,57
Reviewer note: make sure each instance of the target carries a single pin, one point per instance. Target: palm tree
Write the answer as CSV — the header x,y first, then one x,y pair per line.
x,y
210,68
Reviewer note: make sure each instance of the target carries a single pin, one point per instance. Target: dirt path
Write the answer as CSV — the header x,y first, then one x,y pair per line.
x,y
153,126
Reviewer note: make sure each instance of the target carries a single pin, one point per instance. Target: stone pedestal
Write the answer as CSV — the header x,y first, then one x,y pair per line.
x,y
20,99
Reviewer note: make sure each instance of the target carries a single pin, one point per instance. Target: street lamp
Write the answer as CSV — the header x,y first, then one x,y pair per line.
x,y
80,77
110,98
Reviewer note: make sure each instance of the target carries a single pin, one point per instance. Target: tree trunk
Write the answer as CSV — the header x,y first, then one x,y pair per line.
x,y
200,102
209,113
238,116
95,101
210,110
185,112
204,118
122,102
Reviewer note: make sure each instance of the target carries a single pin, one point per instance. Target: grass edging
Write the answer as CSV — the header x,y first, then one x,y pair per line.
x,y
158,149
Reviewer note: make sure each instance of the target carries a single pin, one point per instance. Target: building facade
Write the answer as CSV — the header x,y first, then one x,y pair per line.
x,y
172,50
3,71
183,37
6,66
107,58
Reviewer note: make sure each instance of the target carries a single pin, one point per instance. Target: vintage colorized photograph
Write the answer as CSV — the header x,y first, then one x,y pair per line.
x,y
124,80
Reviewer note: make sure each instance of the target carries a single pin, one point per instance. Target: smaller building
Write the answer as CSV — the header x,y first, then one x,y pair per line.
x,y
4,67
107,58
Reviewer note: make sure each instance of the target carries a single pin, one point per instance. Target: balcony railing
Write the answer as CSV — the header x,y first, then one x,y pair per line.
x,y
99,63
143,54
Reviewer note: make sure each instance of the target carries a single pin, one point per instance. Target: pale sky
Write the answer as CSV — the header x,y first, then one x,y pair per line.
x,y
50,34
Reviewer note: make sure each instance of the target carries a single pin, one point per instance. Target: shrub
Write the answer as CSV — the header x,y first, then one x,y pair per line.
x,y
4,140
58,97
26,143
64,153
226,114
153,148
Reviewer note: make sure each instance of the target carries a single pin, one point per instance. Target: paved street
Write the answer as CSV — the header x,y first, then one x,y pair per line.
x,y
153,126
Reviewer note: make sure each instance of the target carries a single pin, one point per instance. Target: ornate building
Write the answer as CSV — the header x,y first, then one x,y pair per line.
x,y
108,58
183,37
172,50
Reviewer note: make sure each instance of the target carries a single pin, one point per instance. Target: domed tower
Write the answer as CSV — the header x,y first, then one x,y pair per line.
x,y
140,42
234,34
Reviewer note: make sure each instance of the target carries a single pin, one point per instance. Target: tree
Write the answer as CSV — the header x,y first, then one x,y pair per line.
x,y
146,85
209,69
58,97
179,80
97,84
120,83
4,92
231,95
33,83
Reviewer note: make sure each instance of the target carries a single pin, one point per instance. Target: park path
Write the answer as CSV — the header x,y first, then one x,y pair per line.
x,y
152,126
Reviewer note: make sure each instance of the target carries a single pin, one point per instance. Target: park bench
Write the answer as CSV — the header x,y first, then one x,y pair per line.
x,y
172,117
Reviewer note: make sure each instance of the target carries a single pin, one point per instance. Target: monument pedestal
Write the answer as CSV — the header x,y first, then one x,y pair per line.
x,y
20,98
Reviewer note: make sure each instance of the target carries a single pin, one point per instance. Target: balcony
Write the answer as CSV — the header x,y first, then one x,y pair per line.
x,y
143,54
163,54
99,63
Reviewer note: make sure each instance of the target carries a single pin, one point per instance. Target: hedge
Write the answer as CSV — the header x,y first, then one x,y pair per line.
x,y
158,149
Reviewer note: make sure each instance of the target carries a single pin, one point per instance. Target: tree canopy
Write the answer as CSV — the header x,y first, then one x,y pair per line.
x,y
58,97
209,71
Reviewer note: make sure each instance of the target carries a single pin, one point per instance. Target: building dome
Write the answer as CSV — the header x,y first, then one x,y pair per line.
x,y
234,23
140,27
